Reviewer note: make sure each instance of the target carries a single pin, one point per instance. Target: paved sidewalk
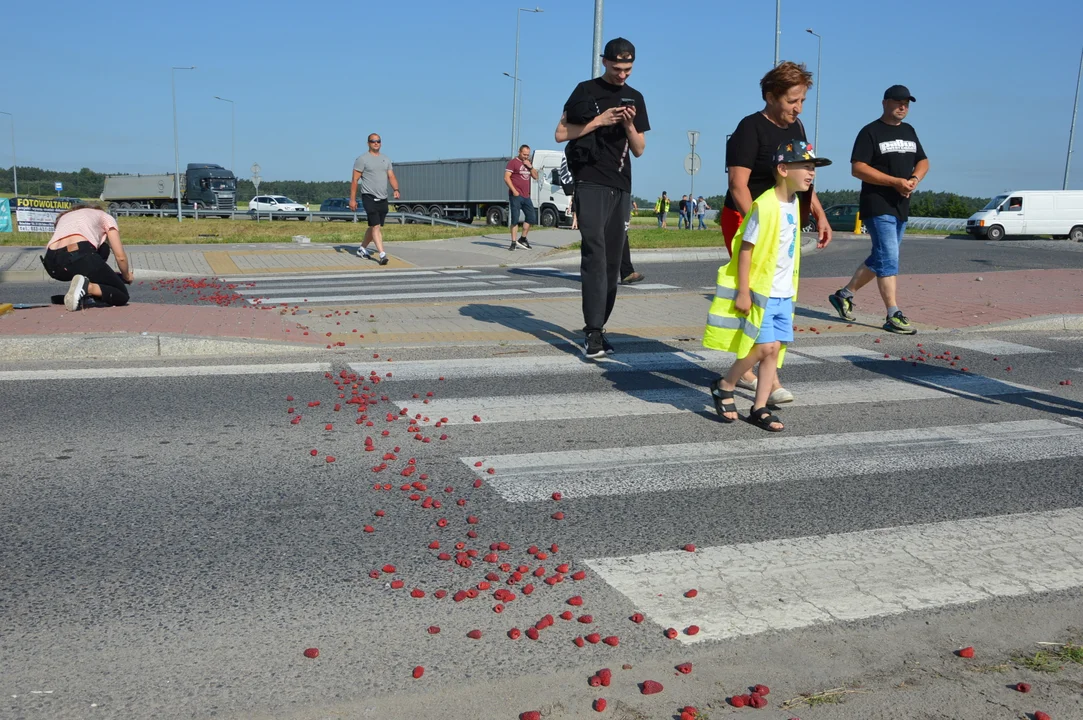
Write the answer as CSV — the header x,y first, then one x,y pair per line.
x,y
934,303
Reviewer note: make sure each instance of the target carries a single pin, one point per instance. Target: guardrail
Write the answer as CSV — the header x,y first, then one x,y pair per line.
x,y
946,224
203,213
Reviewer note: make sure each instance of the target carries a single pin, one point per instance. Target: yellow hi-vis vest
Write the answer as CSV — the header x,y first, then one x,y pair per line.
x,y
726,328
658,206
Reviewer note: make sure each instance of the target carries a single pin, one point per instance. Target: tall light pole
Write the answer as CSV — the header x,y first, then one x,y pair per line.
x,y
176,141
514,86
819,88
15,170
1071,133
778,28
519,124
233,130
596,61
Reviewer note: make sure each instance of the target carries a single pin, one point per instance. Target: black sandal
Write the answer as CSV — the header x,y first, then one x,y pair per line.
x,y
763,418
723,402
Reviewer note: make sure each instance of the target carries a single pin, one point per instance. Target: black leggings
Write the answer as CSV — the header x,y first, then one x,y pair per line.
x,y
84,259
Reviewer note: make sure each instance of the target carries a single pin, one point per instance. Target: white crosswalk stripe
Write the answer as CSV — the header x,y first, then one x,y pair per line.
x,y
164,372
778,585
786,584
995,347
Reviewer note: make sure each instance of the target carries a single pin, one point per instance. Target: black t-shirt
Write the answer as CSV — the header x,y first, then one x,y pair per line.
x,y
684,206
752,145
893,150
613,167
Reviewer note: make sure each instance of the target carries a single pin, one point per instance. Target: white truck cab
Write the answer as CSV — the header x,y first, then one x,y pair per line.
x,y
1030,212
554,207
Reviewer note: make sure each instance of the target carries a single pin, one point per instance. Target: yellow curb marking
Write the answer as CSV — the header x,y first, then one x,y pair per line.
x,y
5,308
221,263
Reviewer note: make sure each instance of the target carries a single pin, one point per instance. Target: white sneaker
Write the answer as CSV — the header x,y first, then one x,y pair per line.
x,y
73,299
748,384
362,253
780,396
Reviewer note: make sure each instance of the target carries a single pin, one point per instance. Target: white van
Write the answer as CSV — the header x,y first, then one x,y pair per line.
x,y
1030,212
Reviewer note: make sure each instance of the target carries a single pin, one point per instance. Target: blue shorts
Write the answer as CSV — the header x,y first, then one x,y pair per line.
x,y
886,232
777,325
530,215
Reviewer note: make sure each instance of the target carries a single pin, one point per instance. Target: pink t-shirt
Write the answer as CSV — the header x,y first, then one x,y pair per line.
x,y
91,224
520,176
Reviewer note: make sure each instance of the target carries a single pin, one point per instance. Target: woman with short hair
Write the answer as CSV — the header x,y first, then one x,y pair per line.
x,y
78,252
751,166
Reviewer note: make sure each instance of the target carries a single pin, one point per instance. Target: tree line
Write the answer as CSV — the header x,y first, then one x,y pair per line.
x,y
88,184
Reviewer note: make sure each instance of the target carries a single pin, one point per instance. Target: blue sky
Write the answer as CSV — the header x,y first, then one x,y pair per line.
x,y
90,83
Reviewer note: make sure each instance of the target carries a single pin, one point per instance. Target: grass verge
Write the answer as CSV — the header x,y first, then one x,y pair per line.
x,y
167,231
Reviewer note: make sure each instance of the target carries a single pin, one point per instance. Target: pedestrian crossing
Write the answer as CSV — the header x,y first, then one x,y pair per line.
x,y
790,582
411,286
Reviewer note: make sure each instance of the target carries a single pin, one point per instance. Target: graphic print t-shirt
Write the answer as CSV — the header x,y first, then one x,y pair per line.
x,y
893,150
613,168
520,177
782,285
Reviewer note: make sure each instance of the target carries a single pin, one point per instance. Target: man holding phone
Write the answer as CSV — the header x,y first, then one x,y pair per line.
x,y
604,120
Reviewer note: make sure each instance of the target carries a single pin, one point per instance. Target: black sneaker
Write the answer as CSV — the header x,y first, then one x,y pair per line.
x,y
898,323
593,347
523,242
844,306
512,246
606,345
383,260
633,277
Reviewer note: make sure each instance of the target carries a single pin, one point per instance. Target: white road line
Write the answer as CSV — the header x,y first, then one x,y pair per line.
x,y
995,347
331,276
615,403
1071,338
653,286
840,353
316,290
405,297
553,290
164,372
531,477
570,364
352,281
786,584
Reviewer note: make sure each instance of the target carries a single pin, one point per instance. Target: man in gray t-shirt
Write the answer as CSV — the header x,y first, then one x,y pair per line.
x,y
375,173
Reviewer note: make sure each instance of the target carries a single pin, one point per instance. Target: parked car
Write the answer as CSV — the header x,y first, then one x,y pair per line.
x,y
841,218
340,205
276,204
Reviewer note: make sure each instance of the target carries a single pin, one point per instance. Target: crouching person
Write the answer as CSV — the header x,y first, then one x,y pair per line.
x,y
77,254
752,312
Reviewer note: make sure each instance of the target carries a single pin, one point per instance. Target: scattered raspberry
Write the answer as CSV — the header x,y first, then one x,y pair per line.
x,y
637,618
689,548
650,687
530,715
967,652
606,676
757,701
434,630
474,634
1023,687
418,672
684,668
514,634
312,653
671,633
594,638
738,701
691,593
761,690
611,640
1039,715
575,601
599,705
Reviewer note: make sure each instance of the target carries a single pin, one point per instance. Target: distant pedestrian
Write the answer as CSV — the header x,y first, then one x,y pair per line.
x,y
701,209
682,212
375,173
751,166
890,162
606,120
77,253
661,209
517,176
753,308
628,274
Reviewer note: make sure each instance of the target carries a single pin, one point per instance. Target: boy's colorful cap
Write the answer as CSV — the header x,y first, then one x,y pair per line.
x,y
798,151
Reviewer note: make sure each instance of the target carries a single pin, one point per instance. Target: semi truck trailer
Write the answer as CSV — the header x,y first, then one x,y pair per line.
x,y
203,185
469,188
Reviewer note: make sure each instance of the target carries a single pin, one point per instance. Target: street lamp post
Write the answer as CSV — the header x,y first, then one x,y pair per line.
x,y
176,141
514,86
519,124
1071,133
778,28
819,88
14,169
232,130
596,60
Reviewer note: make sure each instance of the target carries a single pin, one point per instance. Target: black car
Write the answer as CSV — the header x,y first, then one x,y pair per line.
x,y
339,205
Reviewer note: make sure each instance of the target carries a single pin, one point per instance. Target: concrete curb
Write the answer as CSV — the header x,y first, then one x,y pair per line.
x,y
138,347
642,256
37,276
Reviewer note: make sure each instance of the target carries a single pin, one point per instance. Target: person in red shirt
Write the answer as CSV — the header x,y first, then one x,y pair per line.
x,y
517,176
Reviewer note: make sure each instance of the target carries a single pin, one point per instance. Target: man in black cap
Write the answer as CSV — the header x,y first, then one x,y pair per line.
x,y
603,121
890,162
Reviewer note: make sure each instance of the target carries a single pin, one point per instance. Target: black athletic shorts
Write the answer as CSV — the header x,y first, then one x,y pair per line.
x,y
376,210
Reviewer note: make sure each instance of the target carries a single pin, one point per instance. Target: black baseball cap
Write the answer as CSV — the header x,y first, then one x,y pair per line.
x,y
900,93
617,47
798,151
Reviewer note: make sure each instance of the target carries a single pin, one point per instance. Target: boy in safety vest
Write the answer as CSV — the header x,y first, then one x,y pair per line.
x,y
752,311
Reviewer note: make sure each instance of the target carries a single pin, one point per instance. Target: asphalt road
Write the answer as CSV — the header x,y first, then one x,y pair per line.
x,y
171,545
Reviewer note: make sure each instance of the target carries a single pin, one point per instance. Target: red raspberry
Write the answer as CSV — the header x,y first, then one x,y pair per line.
x,y
650,687
599,705
418,672
312,653
967,652
684,668
1023,687
514,634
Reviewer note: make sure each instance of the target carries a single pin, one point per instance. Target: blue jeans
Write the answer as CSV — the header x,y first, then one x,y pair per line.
x,y
886,232
702,226
683,218
661,217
